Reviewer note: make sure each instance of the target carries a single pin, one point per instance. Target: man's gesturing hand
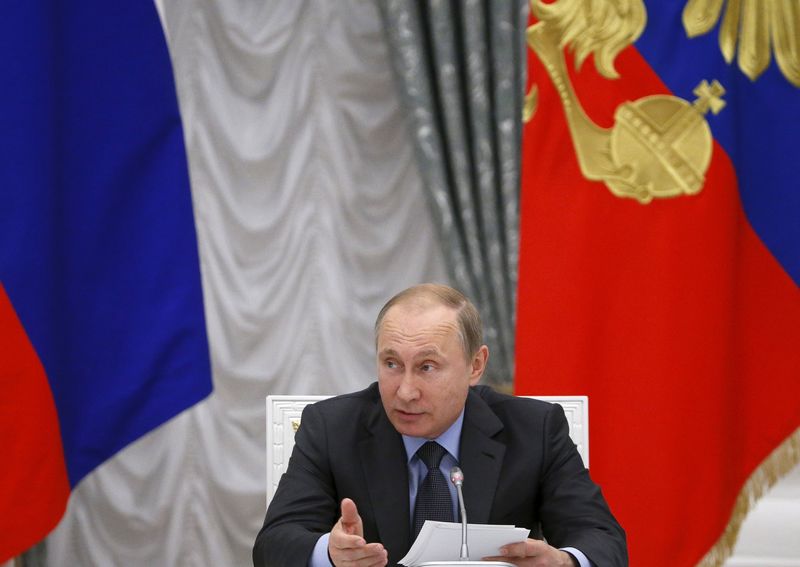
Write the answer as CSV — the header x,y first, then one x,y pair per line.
x,y
533,553
347,546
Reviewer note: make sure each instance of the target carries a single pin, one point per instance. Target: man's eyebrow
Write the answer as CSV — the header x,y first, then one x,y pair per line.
x,y
421,354
388,352
428,352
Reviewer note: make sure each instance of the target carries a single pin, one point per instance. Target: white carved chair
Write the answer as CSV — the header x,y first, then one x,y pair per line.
x,y
283,419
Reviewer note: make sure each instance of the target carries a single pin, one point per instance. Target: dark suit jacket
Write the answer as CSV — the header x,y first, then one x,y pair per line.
x,y
520,467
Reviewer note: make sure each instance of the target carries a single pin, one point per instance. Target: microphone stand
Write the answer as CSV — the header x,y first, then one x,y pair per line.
x,y
464,556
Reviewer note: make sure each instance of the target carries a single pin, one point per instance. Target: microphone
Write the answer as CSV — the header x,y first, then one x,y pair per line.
x,y
457,478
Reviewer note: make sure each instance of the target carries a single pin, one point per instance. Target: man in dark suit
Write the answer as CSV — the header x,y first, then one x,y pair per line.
x,y
349,494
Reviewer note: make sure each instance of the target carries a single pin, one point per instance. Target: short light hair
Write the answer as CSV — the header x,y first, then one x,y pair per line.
x,y
470,327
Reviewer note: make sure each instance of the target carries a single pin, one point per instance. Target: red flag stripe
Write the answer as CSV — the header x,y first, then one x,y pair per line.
x,y
34,488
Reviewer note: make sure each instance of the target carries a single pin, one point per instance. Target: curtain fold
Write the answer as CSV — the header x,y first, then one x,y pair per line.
x,y
460,72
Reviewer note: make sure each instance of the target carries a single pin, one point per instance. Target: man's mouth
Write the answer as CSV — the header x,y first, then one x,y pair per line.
x,y
408,414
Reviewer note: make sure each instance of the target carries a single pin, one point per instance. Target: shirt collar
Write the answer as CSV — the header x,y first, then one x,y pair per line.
x,y
449,439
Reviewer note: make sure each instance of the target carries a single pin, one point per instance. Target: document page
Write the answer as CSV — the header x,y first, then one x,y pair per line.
x,y
441,541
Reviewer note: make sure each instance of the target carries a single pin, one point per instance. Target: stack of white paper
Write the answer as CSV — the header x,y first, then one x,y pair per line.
x,y
441,541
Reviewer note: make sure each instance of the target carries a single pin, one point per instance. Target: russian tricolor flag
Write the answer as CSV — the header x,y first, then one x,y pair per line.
x,y
102,330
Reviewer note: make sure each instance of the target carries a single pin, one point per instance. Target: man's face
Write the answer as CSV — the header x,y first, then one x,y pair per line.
x,y
423,376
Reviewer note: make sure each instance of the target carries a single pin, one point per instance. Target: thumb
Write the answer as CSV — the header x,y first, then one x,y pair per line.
x,y
351,521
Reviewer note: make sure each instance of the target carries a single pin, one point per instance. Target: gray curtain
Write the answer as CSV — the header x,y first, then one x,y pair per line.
x,y
460,67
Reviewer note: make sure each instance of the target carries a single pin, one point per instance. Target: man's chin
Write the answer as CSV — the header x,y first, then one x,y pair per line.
x,y
413,425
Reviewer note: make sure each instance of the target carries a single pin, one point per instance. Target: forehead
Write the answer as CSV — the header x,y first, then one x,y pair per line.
x,y
417,324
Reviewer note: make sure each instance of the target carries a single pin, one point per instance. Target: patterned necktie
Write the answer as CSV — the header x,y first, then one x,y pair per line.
x,y
433,497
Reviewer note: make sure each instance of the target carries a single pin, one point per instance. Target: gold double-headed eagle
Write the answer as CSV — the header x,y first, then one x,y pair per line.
x,y
659,146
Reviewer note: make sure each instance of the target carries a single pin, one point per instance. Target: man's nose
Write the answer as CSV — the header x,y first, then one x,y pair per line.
x,y
408,390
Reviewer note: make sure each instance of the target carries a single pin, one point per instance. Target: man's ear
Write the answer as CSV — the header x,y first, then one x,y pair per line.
x,y
478,365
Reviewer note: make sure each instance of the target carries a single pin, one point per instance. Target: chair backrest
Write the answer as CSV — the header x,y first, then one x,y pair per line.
x,y
283,419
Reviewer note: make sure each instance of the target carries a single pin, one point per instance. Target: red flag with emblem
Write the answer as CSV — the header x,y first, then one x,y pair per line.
x,y
660,258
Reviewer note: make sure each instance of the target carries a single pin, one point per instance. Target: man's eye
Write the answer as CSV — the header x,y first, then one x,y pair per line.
x,y
427,367
391,364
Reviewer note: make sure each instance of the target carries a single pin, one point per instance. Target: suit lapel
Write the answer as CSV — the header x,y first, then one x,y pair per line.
x,y
481,458
383,457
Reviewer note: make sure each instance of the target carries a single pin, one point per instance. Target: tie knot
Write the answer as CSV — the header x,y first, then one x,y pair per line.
x,y
431,454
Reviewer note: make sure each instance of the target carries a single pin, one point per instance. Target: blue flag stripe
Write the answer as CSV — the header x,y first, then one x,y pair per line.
x,y
99,252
